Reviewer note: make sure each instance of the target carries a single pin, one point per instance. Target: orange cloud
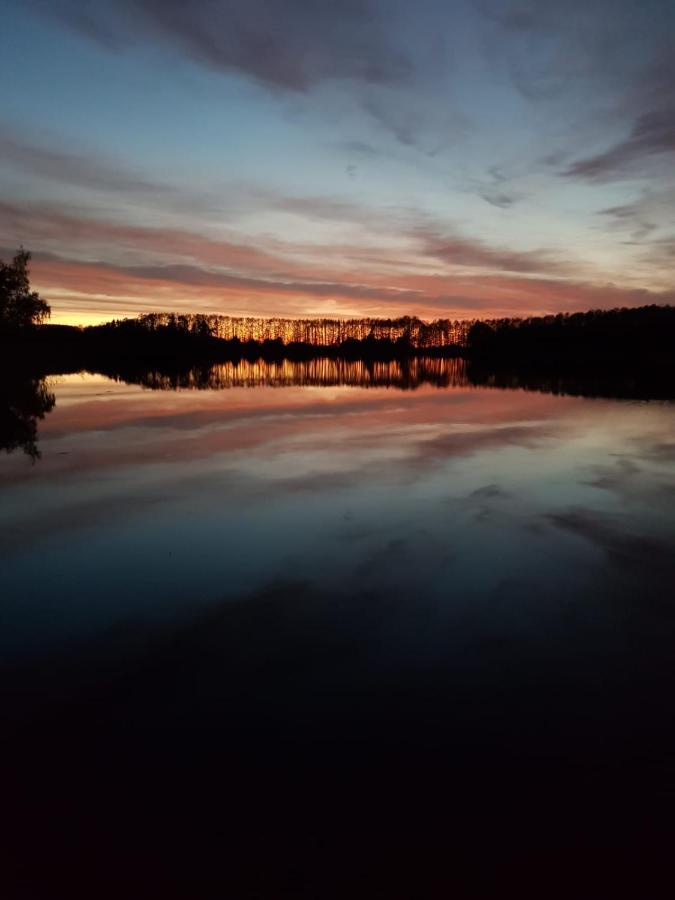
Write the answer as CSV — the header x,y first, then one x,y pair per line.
x,y
96,292
124,270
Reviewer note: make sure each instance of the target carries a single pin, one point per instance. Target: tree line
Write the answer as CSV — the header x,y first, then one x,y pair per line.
x,y
583,336
645,333
323,332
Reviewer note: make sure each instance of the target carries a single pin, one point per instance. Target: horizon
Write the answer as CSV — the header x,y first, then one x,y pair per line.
x,y
485,159
347,319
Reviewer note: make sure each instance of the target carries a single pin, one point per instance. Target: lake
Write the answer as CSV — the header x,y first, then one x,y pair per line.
x,y
267,613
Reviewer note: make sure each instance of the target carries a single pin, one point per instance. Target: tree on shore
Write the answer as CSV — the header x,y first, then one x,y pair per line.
x,y
20,307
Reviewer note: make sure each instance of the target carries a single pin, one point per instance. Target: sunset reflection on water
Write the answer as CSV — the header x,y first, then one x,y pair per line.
x,y
172,499
266,590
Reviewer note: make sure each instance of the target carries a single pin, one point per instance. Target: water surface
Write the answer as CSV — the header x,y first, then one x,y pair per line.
x,y
349,576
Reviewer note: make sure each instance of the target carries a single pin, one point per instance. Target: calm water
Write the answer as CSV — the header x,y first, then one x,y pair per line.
x,y
271,585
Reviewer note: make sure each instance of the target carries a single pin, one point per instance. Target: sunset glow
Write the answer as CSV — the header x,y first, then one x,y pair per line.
x,y
490,159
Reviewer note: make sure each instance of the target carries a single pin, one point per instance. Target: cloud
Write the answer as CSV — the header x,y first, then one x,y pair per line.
x,y
653,134
415,118
463,251
97,174
650,226
287,46
633,217
493,189
196,276
499,199
359,148
103,175
644,103
421,241
410,262
49,227
600,68
100,278
76,288
489,492
291,48
71,168
651,211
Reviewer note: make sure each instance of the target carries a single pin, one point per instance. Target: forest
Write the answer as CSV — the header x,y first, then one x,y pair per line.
x,y
621,338
317,332
645,333
618,337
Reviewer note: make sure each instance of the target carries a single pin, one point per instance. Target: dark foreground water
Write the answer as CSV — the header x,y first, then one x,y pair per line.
x,y
308,631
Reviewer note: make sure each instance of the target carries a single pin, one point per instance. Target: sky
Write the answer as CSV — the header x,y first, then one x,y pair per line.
x,y
444,158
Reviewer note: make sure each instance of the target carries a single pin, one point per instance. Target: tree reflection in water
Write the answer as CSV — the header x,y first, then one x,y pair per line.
x,y
23,400
25,397
405,374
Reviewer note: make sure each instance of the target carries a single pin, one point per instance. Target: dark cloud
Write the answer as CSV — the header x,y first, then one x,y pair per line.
x,y
459,250
71,168
630,216
608,41
359,148
653,134
616,56
607,65
645,103
649,220
489,492
494,188
287,46
292,46
101,174
499,199
553,49
414,119
328,208
44,228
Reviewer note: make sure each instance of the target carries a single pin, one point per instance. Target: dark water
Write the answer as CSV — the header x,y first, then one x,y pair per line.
x,y
335,630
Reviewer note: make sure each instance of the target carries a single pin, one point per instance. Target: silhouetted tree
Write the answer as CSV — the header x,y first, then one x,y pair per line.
x,y
595,337
481,337
412,332
19,306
